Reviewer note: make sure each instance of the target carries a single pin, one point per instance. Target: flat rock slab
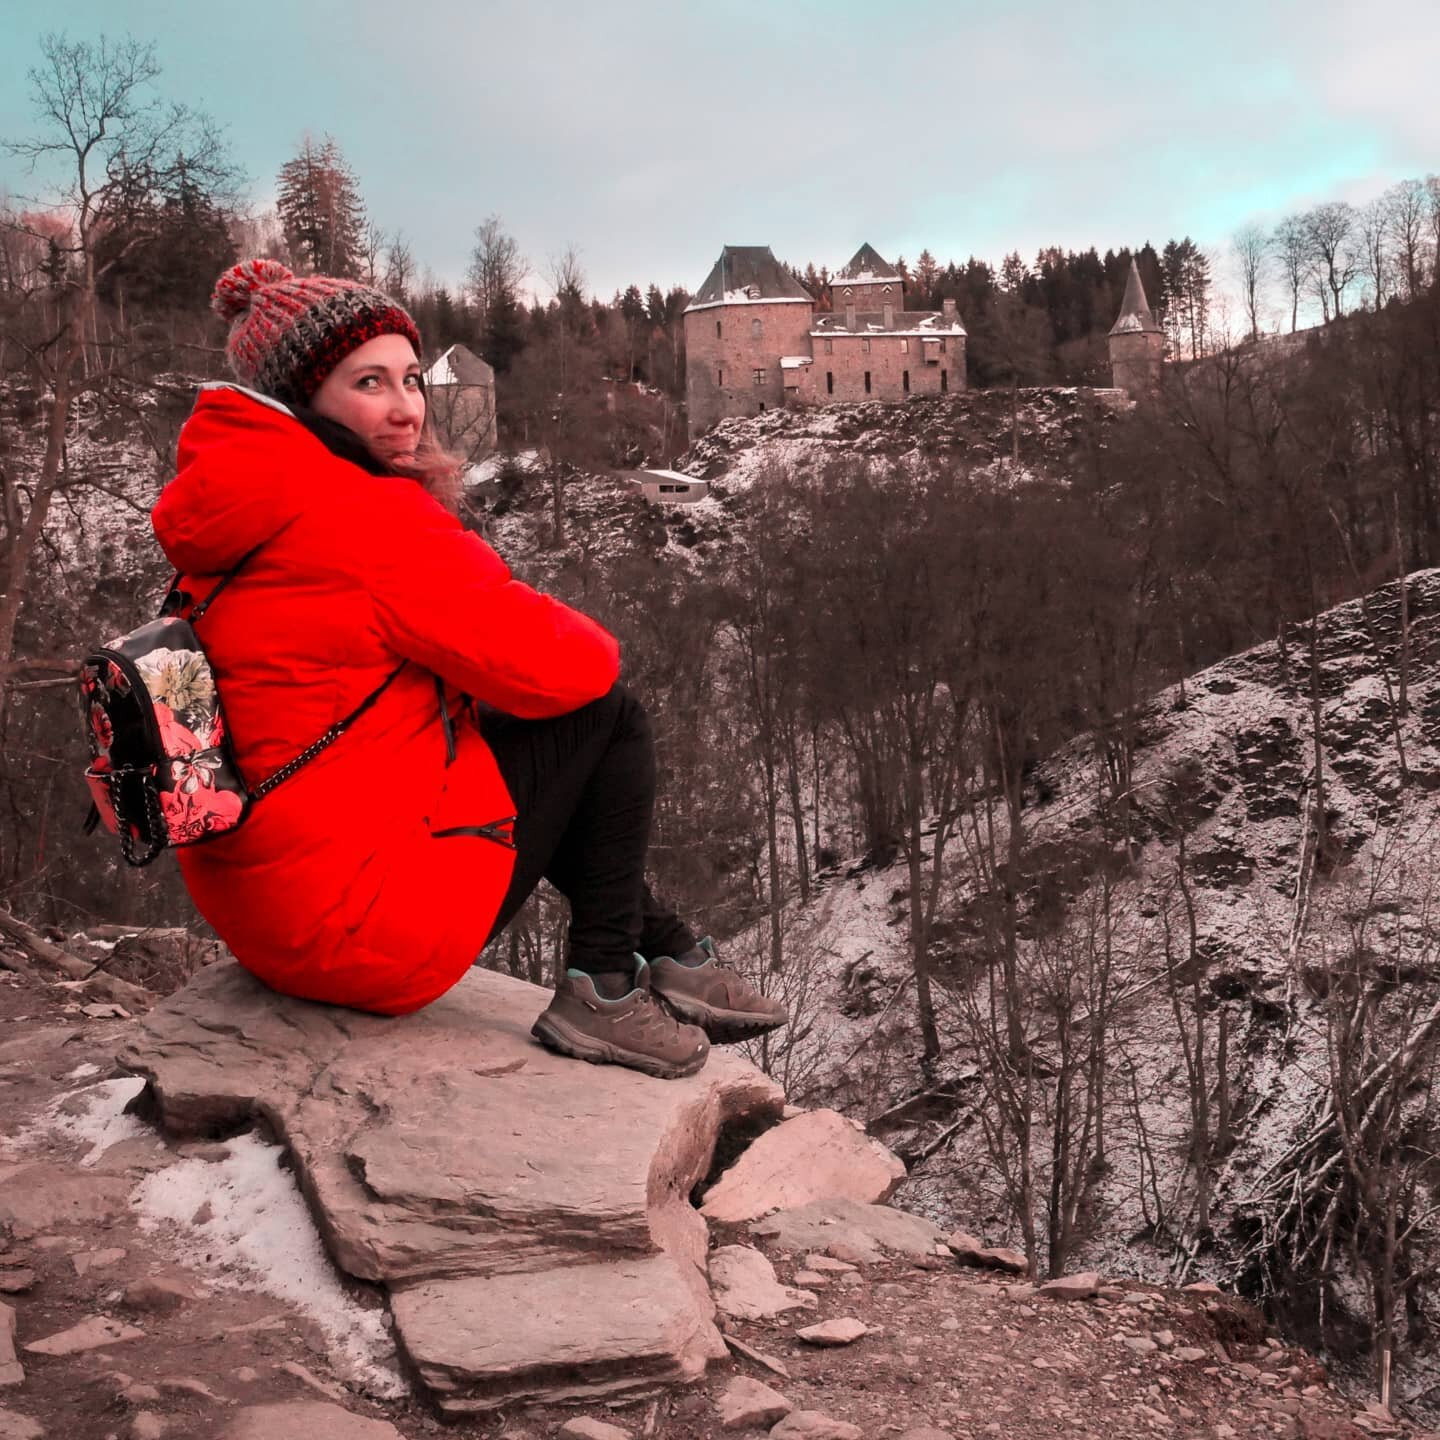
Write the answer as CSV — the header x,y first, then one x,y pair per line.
x,y
746,1404
15,1426
563,1334
863,1232
819,1155
447,1155
91,1334
306,1420
815,1425
745,1288
843,1331
41,1196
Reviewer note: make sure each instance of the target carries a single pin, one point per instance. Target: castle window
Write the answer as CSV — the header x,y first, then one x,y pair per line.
x,y
904,347
942,344
829,347
944,381
905,382
758,377
754,329
867,382
717,329
829,382
865,345
719,377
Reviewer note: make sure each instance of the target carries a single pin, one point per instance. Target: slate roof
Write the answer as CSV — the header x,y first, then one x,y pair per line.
x,y
459,366
1135,317
902,322
868,264
745,274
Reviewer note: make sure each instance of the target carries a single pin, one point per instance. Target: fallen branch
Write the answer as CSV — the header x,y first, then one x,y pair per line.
x,y
134,997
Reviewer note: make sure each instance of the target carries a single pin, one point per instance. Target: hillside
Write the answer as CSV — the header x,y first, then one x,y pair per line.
x,y
1312,949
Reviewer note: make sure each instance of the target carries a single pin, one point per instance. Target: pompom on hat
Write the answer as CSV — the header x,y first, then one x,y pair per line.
x,y
288,332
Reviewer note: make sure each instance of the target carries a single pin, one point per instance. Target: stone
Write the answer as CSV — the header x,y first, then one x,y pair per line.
x,y
970,1251
745,1288
88,1260
188,1385
305,1420
1191,1353
16,1282
1201,1287
43,1195
137,1392
819,1155
828,1265
1140,1344
1165,1339
584,1428
811,1278
926,1432
147,1425
815,1425
589,1332
1084,1286
849,1231
90,1334
379,1118
158,1294
745,1403
843,1331
15,1426
308,1377
11,1371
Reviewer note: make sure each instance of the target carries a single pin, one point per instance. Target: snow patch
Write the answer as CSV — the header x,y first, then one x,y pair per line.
x,y
259,1236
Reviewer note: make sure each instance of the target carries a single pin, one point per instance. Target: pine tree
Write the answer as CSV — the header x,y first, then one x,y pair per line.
x,y
927,272
321,210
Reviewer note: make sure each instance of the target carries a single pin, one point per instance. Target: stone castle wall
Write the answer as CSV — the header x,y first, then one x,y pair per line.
x,y
723,352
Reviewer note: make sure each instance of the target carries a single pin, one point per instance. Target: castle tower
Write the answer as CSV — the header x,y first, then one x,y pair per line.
x,y
748,318
1137,343
868,282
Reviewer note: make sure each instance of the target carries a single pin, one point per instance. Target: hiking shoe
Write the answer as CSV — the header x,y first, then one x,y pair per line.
x,y
633,1031
698,988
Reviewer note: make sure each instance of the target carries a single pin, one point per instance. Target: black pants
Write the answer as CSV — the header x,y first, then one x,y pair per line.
x,y
584,792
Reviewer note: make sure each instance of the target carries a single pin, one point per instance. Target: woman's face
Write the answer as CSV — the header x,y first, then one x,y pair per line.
x,y
375,390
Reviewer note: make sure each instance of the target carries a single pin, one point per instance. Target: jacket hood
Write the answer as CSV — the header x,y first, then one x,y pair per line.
x,y
245,464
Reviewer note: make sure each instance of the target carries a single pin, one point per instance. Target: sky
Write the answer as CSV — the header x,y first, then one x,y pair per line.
x,y
649,133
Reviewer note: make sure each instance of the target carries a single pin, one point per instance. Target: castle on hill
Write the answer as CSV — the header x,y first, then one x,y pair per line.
x,y
754,339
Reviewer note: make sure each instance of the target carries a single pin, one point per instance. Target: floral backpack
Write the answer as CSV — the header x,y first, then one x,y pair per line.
x,y
162,772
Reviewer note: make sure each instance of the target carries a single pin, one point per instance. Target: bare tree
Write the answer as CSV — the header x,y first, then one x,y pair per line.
x,y
373,250
497,267
119,144
1377,266
1407,214
1251,249
399,266
1330,229
1290,245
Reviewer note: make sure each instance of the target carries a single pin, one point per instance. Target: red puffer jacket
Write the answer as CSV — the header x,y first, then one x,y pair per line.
x,y
340,886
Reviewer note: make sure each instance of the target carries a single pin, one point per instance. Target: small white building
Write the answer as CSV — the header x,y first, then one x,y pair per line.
x,y
460,400
668,487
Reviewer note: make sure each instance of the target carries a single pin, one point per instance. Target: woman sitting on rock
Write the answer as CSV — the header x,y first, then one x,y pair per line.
x,y
502,751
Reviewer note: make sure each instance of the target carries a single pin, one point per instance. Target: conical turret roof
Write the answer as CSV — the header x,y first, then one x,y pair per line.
x,y
1135,317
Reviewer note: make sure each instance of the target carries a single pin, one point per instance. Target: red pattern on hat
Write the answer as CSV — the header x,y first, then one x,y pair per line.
x,y
289,332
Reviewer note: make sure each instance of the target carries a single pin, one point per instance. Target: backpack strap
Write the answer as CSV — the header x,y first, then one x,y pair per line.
x,y
325,741
225,579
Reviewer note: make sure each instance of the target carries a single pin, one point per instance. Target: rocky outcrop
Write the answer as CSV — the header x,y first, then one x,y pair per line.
x,y
818,1155
530,1216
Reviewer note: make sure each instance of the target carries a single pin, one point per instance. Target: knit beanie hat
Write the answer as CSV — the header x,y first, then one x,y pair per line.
x,y
289,332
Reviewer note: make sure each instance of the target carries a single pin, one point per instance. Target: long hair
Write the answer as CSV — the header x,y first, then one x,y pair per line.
x,y
437,469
